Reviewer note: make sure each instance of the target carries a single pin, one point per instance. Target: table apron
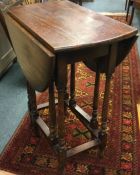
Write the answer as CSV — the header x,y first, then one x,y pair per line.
x,y
83,54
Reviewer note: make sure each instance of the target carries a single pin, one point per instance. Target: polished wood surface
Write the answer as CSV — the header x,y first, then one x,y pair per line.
x,y
63,25
36,61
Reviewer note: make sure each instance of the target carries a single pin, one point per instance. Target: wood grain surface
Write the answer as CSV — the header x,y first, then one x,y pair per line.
x,y
62,25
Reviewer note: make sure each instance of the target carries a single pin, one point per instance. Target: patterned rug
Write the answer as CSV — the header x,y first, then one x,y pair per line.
x,y
29,155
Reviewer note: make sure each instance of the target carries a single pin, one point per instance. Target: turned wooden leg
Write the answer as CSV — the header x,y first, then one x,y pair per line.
x,y
52,112
111,63
103,133
66,101
72,85
61,134
94,122
32,107
61,86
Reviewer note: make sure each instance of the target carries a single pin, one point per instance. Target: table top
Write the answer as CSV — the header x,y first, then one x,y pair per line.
x,y
63,25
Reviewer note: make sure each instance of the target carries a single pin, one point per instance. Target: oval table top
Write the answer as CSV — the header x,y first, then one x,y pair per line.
x,y
63,25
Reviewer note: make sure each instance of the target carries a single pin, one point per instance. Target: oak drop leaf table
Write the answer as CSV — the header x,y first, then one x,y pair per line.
x,y
72,34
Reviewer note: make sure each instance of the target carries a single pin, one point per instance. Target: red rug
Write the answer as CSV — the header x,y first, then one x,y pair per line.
x,y
26,154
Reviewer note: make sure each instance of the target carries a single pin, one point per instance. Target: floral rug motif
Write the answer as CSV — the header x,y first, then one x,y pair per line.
x,y
30,155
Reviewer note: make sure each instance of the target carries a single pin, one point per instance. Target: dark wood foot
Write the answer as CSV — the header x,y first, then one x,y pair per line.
x,y
103,140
